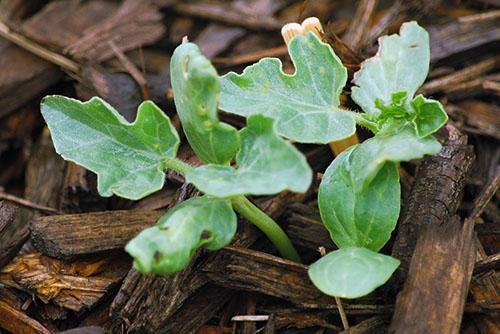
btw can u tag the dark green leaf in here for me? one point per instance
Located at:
(360, 217)
(267, 164)
(167, 247)
(127, 158)
(196, 89)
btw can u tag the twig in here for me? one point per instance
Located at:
(251, 57)
(250, 318)
(132, 70)
(463, 75)
(491, 85)
(23, 42)
(26, 203)
(485, 196)
(354, 37)
(491, 262)
(343, 316)
(491, 15)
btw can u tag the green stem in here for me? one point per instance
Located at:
(267, 225)
(178, 165)
(251, 212)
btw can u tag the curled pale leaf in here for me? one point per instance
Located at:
(351, 272)
(167, 247)
(401, 64)
(267, 164)
(196, 88)
(127, 157)
(354, 216)
(304, 105)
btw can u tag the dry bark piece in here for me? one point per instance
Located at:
(480, 117)
(11, 235)
(226, 13)
(248, 270)
(444, 252)
(44, 174)
(354, 36)
(14, 319)
(134, 24)
(305, 229)
(299, 318)
(84, 330)
(435, 197)
(61, 23)
(484, 286)
(216, 38)
(79, 191)
(197, 310)
(466, 74)
(23, 77)
(77, 286)
(68, 236)
(455, 37)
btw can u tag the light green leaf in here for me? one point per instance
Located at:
(430, 115)
(167, 247)
(127, 158)
(196, 87)
(372, 154)
(352, 272)
(401, 64)
(267, 164)
(359, 217)
(304, 105)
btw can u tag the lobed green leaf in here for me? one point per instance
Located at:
(304, 105)
(359, 217)
(351, 272)
(400, 65)
(167, 247)
(196, 88)
(127, 158)
(267, 164)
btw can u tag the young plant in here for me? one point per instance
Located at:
(359, 196)
(130, 161)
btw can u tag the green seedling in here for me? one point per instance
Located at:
(130, 161)
(359, 196)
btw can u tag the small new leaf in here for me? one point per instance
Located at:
(304, 105)
(354, 216)
(196, 88)
(430, 115)
(167, 247)
(127, 157)
(352, 272)
(267, 164)
(400, 65)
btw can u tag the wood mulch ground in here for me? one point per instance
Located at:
(62, 267)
